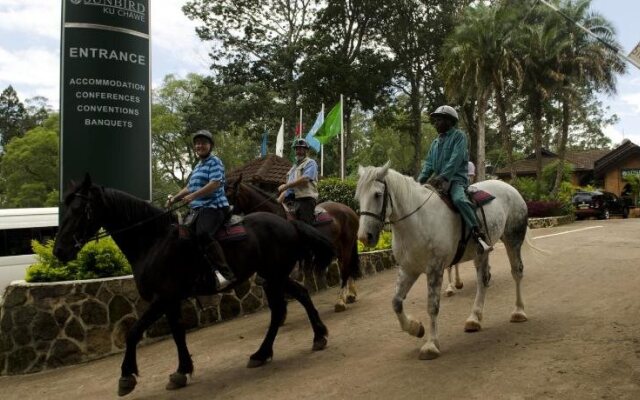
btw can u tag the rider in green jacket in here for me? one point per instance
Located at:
(447, 161)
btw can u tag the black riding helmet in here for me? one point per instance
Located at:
(300, 143)
(203, 133)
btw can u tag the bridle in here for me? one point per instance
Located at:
(387, 200)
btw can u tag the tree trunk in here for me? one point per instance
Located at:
(562, 142)
(481, 118)
(416, 129)
(537, 137)
(504, 131)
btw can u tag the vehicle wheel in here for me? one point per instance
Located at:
(625, 212)
(605, 214)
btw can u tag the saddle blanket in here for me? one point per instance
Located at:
(321, 217)
(232, 229)
(478, 197)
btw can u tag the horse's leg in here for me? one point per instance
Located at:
(178, 379)
(320, 331)
(343, 260)
(129, 366)
(404, 282)
(459, 284)
(431, 349)
(517, 270)
(352, 294)
(483, 276)
(450, 291)
(278, 306)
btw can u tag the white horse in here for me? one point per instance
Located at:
(425, 238)
(451, 287)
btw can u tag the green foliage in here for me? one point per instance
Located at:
(549, 174)
(384, 242)
(634, 182)
(97, 259)
(526, 187)
(29, 170)
(333, 189)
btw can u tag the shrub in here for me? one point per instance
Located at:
(384, 242)
(333, 189)
(545, 208)
(97, 259)
(526, 187)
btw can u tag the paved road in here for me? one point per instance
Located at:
(582, 340)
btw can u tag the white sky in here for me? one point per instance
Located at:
(30, 52)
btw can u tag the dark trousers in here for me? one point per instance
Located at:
(208, 221)
(305, 207)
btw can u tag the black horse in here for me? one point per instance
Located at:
(165, 266)
(341, 230)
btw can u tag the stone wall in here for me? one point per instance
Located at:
(48, 325)
(548, 222)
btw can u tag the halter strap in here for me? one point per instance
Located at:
(381, 216)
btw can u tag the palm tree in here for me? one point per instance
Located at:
(585, 63)
(478, 63)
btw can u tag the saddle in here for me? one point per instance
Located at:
(320, 215)
(479, 198)
(231, 230)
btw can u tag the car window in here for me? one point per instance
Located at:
(582, 198)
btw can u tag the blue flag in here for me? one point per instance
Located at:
(263, 147)
(313, 142)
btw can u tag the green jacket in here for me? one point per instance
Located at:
(448, 157)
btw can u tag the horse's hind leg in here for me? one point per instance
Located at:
(320, 331)
(404, 282)
(459, 284)
(278, 306)
(431, 349)
(178, 379)
(517, 272)
(129, 367)
(483, 276)
(450, 291)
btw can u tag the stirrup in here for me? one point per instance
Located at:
(222, 283)
(483, 247)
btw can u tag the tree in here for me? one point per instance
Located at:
(13, 116)
(585, 63)
(29, 169)
(414, 31)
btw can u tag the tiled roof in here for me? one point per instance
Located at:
(616, 155)
(581, 160)
(270, 169)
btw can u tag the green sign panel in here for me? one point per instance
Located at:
(105, 94)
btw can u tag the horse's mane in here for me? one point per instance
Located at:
(135, 209)
(260, 190)
(401, 185)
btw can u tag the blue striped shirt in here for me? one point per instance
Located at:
(208, 170)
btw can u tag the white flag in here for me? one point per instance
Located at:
(280, 141)
(635, 55)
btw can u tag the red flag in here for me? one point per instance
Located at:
(299, 130)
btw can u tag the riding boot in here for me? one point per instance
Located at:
(218, 262)
(479, 237)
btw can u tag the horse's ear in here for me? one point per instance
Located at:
(360, 170)
(87, 180)
(383, 170)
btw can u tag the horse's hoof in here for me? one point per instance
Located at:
(459, 285)
(430, 353)
(255, 363)
(319, 344)
(416, 329)
(126, 384)
(472, 326)
(177, 380)
(518, 316)
(449, 292)
(351, 298)
(340, 307)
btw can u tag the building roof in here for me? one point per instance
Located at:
(626, 149)
(270, 169)
(581, 160)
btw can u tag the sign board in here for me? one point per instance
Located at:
(629, 171)
(105, 94)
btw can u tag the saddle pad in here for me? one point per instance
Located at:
(480, 197)
(231, 232)
(321, 217)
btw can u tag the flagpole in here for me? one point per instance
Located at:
(322, 146)
(341, 137)
(300, 129)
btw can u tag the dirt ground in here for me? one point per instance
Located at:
(582, 340)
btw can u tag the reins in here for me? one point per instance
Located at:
(98, 236)
(386, 195)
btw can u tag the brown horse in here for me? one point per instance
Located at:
(342, 231)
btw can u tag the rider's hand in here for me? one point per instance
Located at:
(170, 201)
(281, 197)
(282, 188)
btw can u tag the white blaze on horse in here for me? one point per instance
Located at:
(425, 239)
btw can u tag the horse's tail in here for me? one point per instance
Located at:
(528, 241)
(315, 243)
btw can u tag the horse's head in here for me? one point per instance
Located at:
(235, 195)
(373, 196)
(81, 220)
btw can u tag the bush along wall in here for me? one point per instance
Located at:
(48, 325)
(333, 189)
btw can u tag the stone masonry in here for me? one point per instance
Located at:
(48, 325)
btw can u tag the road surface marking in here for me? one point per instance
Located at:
(562, 233)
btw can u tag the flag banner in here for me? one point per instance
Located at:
(299, 130)
(331, 125)
(280, 141)
(313, 142)
(263, 147)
